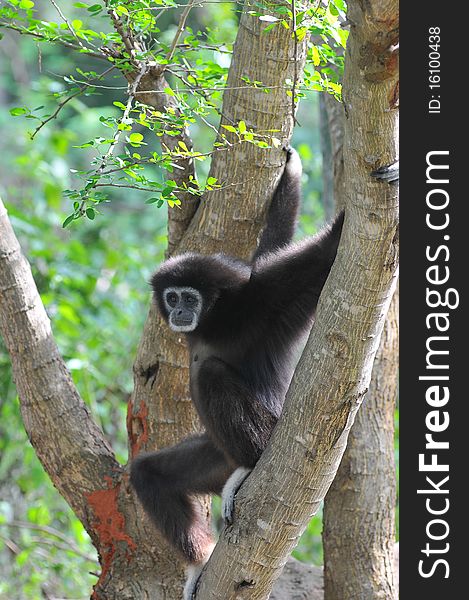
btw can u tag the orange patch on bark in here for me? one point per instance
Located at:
(109, 525)
(137, 427)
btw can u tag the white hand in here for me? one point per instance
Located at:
(229, 491)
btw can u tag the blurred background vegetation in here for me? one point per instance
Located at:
(93, 278)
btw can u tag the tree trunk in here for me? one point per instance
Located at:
(359, 519)
(327, 160)
(359, 525)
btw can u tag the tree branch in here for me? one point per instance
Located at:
(359, 519)
(67, 22)
(125, 34)
(180, 28)
(56, 419)
(151, 91)
(67, 100)
(160, 411)
(46, 38)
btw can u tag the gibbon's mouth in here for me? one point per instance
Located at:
(183, 328)
(179, 323)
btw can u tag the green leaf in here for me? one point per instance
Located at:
(135, 138)
(26, 4)
(122, 10)
(90, 213)
(172, 202)
(67, 221)
(301, 33)
(211, 180)
(331, 13)
(242, 127)
(229, 128)
(16, 112)
(340, 5)
(316, 56)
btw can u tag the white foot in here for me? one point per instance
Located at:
(193, 574)
(229, 492)
(293, 163)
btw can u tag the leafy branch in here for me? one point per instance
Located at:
(81, 90)
(155, 63)
(44, 36)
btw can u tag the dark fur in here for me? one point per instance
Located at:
(242, 352)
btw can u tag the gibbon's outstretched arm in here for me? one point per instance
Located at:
(283, 211)
(292, 279)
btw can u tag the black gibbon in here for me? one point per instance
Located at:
(243, 322)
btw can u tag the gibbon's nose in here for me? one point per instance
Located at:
(179, 312)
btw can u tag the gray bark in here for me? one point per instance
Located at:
(359, 523)
(333, 113)
(327, 161)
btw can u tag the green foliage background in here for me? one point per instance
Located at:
(92, 276)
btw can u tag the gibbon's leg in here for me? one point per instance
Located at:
(238, 420)
(164, 482)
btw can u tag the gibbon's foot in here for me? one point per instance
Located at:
(229, 492)
(389, 173)
(293, 163)
(193, 573)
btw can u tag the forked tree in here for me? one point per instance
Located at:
(295, 472)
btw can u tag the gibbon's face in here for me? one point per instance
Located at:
(184, 305)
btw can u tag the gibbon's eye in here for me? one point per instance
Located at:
(171, 298)
(191, 299)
